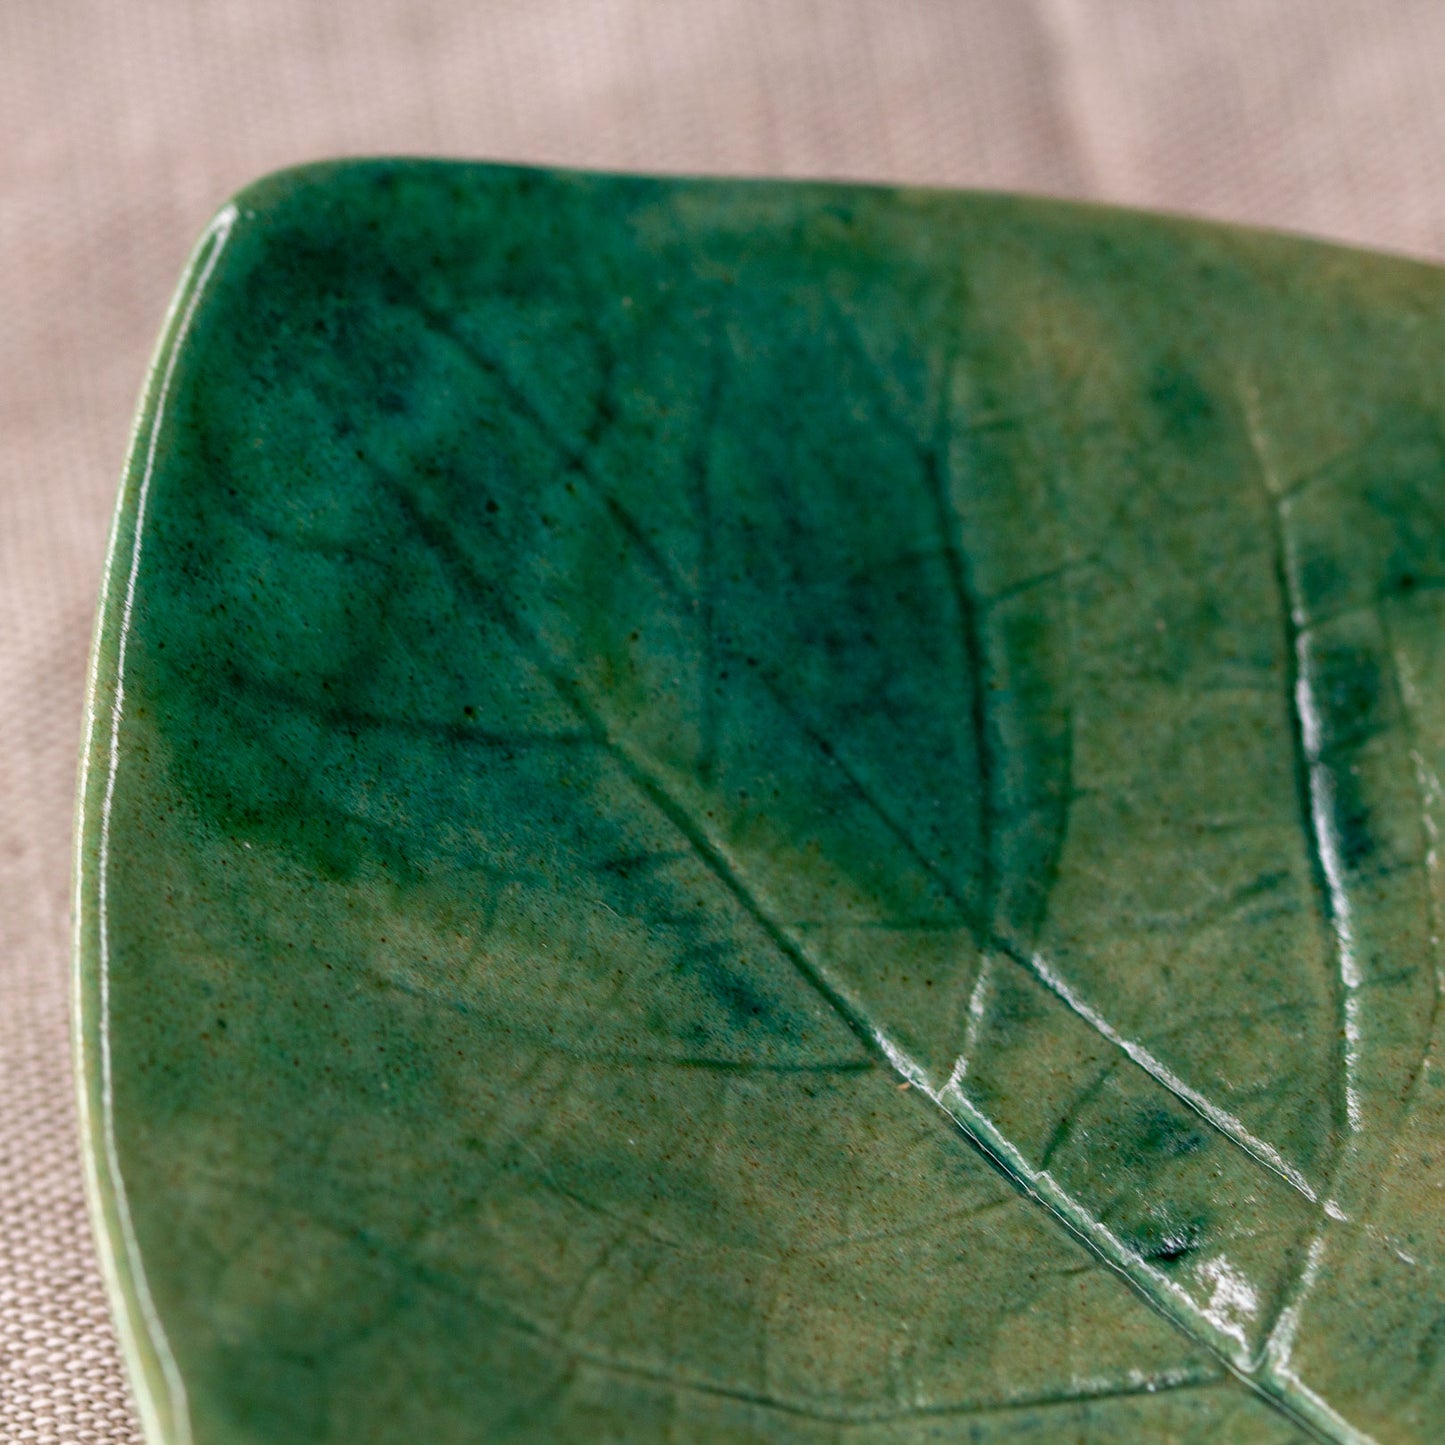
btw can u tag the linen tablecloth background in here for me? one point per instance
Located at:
(124, 123)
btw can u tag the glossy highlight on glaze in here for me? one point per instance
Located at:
(725, 810)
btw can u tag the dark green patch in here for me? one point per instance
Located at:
(1171, 1135)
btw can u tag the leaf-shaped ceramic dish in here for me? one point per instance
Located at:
(771, 812)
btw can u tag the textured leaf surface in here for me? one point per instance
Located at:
(767, 812)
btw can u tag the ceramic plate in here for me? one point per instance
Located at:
(770, 812)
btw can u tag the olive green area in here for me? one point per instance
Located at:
(770, 812)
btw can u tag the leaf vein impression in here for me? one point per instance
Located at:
(1038, 1183)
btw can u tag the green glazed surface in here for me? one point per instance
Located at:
(770, 812)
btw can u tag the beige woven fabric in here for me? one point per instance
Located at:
(123, 123)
